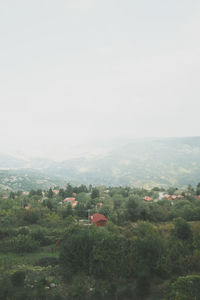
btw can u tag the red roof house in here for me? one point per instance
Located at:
(74, 204)
(99, 205)
(56, 192)
(147, 198)
(25, 193)
(70, 199)
(98, 219)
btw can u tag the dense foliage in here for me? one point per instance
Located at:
(147, 250)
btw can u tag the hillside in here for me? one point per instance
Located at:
(26, 180)
(146, 162)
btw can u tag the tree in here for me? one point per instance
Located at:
(110, 253)
(182, 229)
(18, 278)
(95, 252)
(50, 205)
(148, 256)
(69, 191)
(12, 195)
(50, 193)
(133, 206)
(117, 201)
(62, 193)
(79, 288)
(76, 252)
(95, 193)
(31, 216)
(39, 192)
(68, 211)
(198, 189)
(23, 244)
(6, 289)
(184, 288)
(172, 190)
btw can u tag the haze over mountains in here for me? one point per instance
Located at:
(139, 162)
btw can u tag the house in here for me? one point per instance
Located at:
(99, 205)
(98, 219)
(25, 193)
(56, 192)
(147, 198)
(74, 203)
(172, 197)
(161, 195)
(70, 199)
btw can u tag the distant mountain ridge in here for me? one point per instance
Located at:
(145, 162)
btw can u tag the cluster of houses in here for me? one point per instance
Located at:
(172, 197)
(71, 200)
(95, 219)
(163, 196)
(99, 219)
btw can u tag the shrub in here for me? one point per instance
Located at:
(78, 290)
(182, 229)
(23, 243)
(31, 216)
(18, 278)
(23, 230)
(184, 288)
(40, 235)
(5, 288)
(47, 261)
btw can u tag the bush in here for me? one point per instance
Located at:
(5, 289)
(22, 244)
(18, 278)
(23, 230)
(47, 261)
(78, 290)
(40, 235)
(182, 229)
(143, 286)
(31, 216)
(7, 232)
(184, 288)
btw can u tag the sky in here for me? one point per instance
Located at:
(77, 72)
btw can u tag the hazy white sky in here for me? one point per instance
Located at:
(76, 70)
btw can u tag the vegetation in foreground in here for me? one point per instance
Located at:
(148, 250)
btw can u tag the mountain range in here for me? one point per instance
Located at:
(140, 162)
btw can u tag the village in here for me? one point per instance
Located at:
(55, 242)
